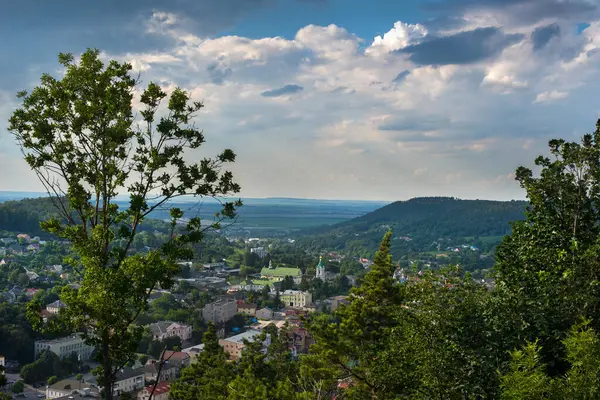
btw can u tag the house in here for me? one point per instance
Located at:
(300, 340)
(2, 361)
(279, 273)
(296, 298)
(234, 345)
(30, 292)
(33, 247)
(55, 307)
(168, 372)
(259, 251)
(194, 351)
(337, 301)
(264, 313)
(63, 347)
(24, 237)
(16, 249)
(128, 380)
(158, 392)
(32, 275)
(246, 308)
(165, 329)
(220, 311)
(69, 388)
(55, 268)
(180, 359)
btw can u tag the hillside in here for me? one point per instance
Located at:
(421, 224)
(25, 215)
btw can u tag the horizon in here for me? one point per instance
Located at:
(380, 100)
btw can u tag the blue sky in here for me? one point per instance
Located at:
(336, 98)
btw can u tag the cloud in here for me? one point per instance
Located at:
(400, 36)
(546, 97)
(543, 34)
(282, 91)
(521, 12)
(401, 76)
(217, 73)
(414, 123)
(462, 48)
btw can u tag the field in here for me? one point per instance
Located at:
(269, 216)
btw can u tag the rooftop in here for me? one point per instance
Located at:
(293, 292)
(248, 335)
(60, 340)
(281, 271)
(128, 372)
(246, 305)
(161, 387)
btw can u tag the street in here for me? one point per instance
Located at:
(29, 391)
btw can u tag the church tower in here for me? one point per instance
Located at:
(320, 270)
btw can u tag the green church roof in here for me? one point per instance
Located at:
(281, 271)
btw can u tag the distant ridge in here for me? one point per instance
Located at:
(424, 220)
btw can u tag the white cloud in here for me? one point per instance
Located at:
(400, 36)
(549, 96)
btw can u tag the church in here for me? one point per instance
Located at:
(322, 274)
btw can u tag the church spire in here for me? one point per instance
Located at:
(320, 269)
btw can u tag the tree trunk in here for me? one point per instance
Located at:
(107, 366)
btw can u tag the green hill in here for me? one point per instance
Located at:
(25, 215)
(419, 225)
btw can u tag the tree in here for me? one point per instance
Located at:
(143, 359)
(52, 380)
(2, 376)
(79, 134)
(547, 269)
(18, 387)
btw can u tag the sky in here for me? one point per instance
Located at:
(338, 99)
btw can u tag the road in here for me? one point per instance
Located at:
(29, 392)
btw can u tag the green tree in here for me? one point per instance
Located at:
(547, 269)
(18, 387)
(52, 380)
(80, 135)
(143, 359)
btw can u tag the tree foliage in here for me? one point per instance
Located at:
(80, 135)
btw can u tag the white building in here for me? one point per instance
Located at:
(165, 329)
(68, 387)
(220, 311)
(234, 345)
(296, 298)
(54, 307)
(129, 380)
(259, 251)
(63, 347)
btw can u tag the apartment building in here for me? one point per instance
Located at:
(296, 298)
(219, 311)
(234, 345)
(63, 347)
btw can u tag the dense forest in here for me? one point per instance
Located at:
(421, 224)
(25, 215)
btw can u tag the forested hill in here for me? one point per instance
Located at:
(419, 224)
(25, 215)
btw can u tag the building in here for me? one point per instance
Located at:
(220, 311)
(128, 380)
(300, 340)
(66, 388)
(194, 351)
(295, 298)
(234, 345)
(246, 308)
(160, 392)
(165, 329)
(180, 359)
(55, 307)
(337, 301)
(63, 347)
(259, 251)
(320, 269)
(2, 361)
(168, 372)
(279, 273)
(264, 313)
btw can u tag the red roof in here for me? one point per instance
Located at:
(162, 387)
(175, 355)
(32, 291)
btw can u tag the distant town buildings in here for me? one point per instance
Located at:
(234, 345)
(296, 298)
(264, 313)
(320, 270)
(219, 311)
(246, 308)
(259, 251)
(69, 387)
(128, 380)
(160, 392)
(55, 307)
(64, 347)
(279, 273)
(166, 329)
